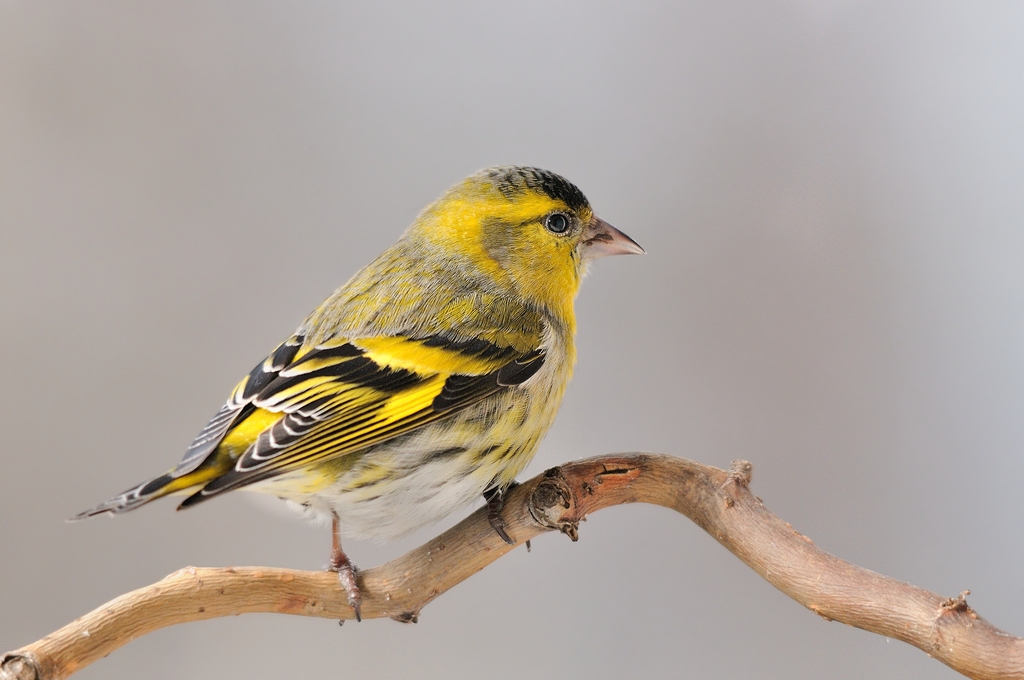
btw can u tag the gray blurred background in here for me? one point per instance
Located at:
(831, 197)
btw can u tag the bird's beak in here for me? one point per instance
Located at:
(601, 239)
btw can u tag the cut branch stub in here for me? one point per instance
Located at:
(551, 504)
(22, 666)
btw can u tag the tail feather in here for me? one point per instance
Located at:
(149, 490)
(134, 497)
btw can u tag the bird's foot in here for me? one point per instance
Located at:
(495, 498)
(346, 571)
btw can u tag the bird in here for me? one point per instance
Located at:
(424, 382)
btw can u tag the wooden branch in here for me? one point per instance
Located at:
(719, 502)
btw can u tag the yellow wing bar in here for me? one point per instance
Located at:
(340, 398)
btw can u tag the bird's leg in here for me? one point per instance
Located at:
(495, 497)
(341, 564)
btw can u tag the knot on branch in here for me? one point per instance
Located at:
(551, 504)
(740, 474)
(404, 617)
(952, 621)
(956, 604)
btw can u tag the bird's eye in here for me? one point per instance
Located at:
(557, 223)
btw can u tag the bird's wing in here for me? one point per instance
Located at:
(238, 405)
(345, 395)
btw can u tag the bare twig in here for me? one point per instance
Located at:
(718, 501)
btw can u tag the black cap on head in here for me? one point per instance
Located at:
(511, 180)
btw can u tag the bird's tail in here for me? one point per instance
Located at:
(159, 487)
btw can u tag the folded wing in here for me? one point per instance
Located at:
(345, 395)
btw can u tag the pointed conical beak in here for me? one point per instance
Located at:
(601, 239)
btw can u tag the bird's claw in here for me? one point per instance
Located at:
(495, 502)
(347, 577)
(498, 524)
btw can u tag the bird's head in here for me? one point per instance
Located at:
(526, 228)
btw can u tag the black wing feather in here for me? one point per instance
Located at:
(458, 392)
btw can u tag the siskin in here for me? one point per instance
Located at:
(425, 381)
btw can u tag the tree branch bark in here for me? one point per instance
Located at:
(719, 502)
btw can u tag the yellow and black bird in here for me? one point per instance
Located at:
(425, 381)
